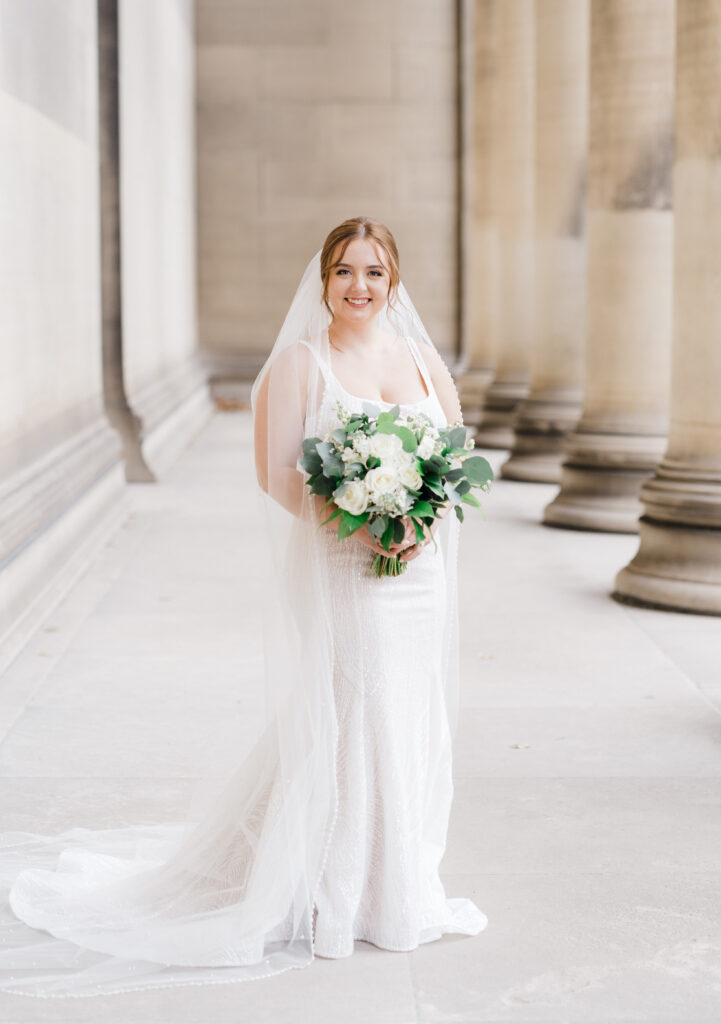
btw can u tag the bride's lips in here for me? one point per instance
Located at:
(357, 303)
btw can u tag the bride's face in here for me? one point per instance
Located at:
(359, 283)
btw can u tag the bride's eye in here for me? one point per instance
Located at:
(376, 273)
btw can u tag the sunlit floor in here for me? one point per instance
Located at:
(587, 812)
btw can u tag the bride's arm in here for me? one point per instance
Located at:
(278, 424)
(444, 385)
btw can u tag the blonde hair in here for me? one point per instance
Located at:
(359, 227)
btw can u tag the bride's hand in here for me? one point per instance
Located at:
(365, 537)
(415, 549)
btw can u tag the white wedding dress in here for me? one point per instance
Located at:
(330, 831)
(393, 764)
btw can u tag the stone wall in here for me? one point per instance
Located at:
(309, 114)
(60, 471)
(62, 466)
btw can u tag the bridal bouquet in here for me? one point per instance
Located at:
(378, 467)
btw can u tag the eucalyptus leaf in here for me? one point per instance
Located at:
(459, 512)
(339, 435)
(377, 526)
(333, 466)
(371, 410)
(322, 485)
(477, 470)
(457, 437)
(312, 463)
(308, 446)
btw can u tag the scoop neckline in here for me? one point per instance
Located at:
(375, 401)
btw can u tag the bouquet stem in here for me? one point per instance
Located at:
(388, 565)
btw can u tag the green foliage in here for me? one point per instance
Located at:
(407, 437)
(349, 523)
(477, 470)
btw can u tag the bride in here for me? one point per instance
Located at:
(334, 825)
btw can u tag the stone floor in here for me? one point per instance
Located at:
(587, 815)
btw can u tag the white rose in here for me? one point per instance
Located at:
(352, 497)
(381, 480)
(410, 477)
(385, 446)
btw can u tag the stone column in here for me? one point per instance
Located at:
(163, 373)
(621, 433)
(117, 407)
(553, 405)
(483, 290)
(678, 564)
(515, 223)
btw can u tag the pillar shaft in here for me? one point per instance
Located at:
(678, 564)
(515, 223)
(553, 405)
(483, 291)
(622, 431)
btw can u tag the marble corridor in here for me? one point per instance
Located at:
(586, 819)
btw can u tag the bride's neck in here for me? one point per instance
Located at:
(349, 336)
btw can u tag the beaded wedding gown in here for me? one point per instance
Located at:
(381, 880)
(332, 828)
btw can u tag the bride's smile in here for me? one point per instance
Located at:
(359, 283)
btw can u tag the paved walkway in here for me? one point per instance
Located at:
(587, 814)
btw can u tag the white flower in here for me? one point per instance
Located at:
(410, 477)
(426, 446)
(362, 445)
(405, 500)
(381, 480)
(385, 446)
(349, 455)
(352, 497)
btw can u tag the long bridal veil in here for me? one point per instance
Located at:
(228, 894)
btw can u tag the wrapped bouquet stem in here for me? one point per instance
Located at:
(381, 469)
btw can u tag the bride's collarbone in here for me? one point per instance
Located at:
(392, 382)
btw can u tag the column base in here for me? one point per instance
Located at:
(172, 410)
(56, 514)
(678, 563)
(542, 424)
(503, 397)
(601, 478)
(677, 568)
(472, 387)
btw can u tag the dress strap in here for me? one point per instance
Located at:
(420, 364)
(324, 367)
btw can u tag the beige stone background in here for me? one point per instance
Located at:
(168, 169)
(551, 171)
(309, 113)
